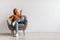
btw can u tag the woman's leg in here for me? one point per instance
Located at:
(21, 20)
(16, 23)
(16, 26)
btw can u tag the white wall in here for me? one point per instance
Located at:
(42, 15)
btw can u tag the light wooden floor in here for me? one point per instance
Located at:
(31, 36)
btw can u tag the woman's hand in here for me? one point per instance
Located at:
(20, 13)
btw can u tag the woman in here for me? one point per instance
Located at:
(16, 18)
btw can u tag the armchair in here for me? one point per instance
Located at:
(22, 26)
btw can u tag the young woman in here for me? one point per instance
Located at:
(16, 18)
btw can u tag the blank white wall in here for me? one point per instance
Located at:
(42, 15)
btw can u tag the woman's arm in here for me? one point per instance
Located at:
(20, 12)
(11, 18)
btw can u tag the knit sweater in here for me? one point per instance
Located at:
(14, 17)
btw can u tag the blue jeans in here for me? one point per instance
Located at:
(16, 25)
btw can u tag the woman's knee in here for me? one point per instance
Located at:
(16, 24)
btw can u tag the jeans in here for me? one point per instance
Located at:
(16, 24)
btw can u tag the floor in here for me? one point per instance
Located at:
(31, 36)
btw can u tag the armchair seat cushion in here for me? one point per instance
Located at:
(21, 25)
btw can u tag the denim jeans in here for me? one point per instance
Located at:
(18, 20)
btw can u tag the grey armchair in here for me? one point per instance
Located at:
(22, 26)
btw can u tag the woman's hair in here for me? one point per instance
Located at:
(14, 11)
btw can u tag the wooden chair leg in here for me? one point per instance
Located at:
(12, 32)
(24, 32)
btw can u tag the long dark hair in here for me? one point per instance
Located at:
(14, 11)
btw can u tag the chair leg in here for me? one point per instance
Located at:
(24, 32)
(12, 32)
